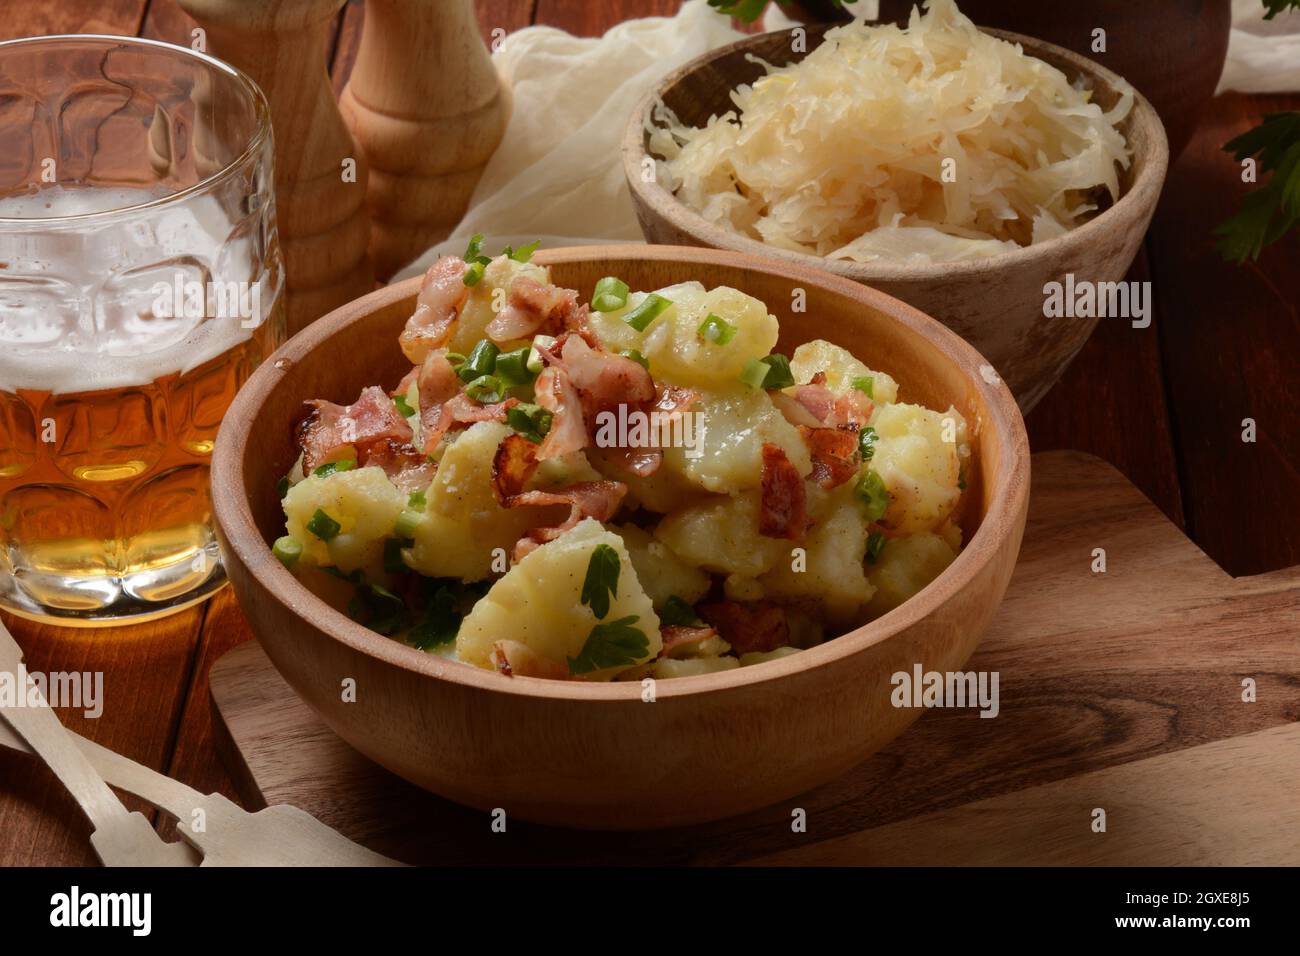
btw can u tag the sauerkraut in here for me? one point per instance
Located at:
(931, 143)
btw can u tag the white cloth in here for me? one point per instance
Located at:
(558, 174)
(1263, 55)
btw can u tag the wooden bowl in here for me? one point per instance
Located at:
(996, 304)
(598, 755)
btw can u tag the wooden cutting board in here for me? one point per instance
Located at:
(1120, 691)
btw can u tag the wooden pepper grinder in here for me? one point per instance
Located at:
(320, 174)
(427, 107)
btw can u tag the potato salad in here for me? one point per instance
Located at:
(633, 487)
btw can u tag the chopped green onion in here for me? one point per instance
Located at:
(610, 295)
(531, 421)
(474, 251)
(535, 361)
(288, 549)
(961, 477)
(523, 253)
(323, 526)
(636, 356)
(875, 544)
(408, 522)
(441, 620)
(403, 406)
(330, 467)
(717, 330)
(486, 389)
(455, 359)
(771, 371)
(867, 443)
(482, 359)
(677, 613)
(283, 486)
(393, 562)
(417, 501)
(651, 307)
(474, 274)
(512, 367)
(871, 489)
(865, 384)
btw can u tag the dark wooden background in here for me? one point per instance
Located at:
(1164, 404)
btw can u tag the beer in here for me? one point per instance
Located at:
(129, 317)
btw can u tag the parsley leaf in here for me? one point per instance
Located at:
(1274, 7)
(677, 613)
(747, 11)
(1272, 210)
(611, 644)
(601, 582)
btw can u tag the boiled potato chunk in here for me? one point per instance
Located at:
(829, 582)
(917, 457)
(662, 574)
(486, 298)
(539, 603)
(672, 343)
(722, 535)
(663, 491)
(905, 566)
(463, 522)
(738, 420)
(841, 369)
(671, 667)
(363, 502)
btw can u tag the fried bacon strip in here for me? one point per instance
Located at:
(329, 429)
(408, 467)
(555, 393)
(680, 635)
(783, 506)
(748, 626)
(516, 659)
(438, 384)
(532, 307)
(442, 293)
(834, 454)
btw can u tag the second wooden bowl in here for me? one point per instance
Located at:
(602, 755)
(996, 304)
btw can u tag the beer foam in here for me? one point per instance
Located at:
(120, 301)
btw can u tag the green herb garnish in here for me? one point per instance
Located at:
(407, 523)
(651, 307)
(331, 467)
(486, 389)
(523, 253)
(512, 367)
(875, 544)
(636, 356)
(677, 613)
(611, 644)
(771, 371)
(531, 421)
(871, 489)
(441, 621)
(867, 443)
(481, 361)
(403, 406)
(866, 384)
(716, 330)
(288, 550)
(416, 501)
(610, 295)
(1271, 211)
(601, 582)
(323, 526)
(282, 487)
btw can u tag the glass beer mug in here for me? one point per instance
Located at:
(140, 282)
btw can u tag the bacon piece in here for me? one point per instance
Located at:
(681, 635)
(586, 499)
(532, 307)
(555, 393)
(330, 428)
(603, 380)
(408, 467)
(817, 399)
(407, 380)
(795, 412)
(851, 408)
(748, 626)
(834, 454)
(438, 384)
(516, 659)
(463, 409)
(442, 293)
(783, 511)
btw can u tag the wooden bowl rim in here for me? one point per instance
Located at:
(1141, 195)
(244, 542)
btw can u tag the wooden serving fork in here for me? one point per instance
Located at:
(223, 832)
(120, 837)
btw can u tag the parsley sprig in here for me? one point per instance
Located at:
(601, 582)
(611, 644)
(1272, 210)
(747, 11)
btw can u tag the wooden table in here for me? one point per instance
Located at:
(1164, 404)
